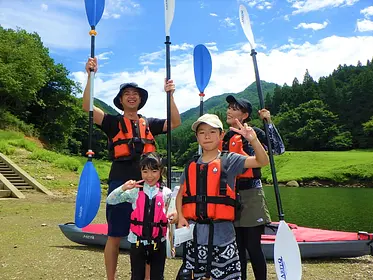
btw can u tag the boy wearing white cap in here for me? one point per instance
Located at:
(207, 198)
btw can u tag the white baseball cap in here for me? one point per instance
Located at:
(210, 119)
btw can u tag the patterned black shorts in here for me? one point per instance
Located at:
(225, 261)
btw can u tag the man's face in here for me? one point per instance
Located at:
(208, 137)
(130, 99)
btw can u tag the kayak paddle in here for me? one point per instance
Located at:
(89, 190)
(202, 73)
(286, 250)
(169, 9)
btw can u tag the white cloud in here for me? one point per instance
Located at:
(227, 22)
(305, 6)
(158, 56)
(182, 47)
(104, 55)
(116, 8)
(44, 7)
(57, 30)
(212, 46)
(150, 58)
(213, 15)
(364, 25)
(313, 26)
(259, 4)
(232, 70)
(367, 12)
(61, 24)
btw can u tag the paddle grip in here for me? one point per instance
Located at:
(266, 130)
(91, 97)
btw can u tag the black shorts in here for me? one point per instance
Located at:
(118, 216)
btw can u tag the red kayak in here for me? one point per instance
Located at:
(313, 243)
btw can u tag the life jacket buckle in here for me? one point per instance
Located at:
(137, 243)
(136, 140)
(201, 198)
(155, 248)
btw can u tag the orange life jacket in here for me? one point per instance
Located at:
(207, 195)
(132, 139)
(234, 143)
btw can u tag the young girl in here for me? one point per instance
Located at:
(148, 220)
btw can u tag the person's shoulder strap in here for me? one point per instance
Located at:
(223, 173)
(122, 123)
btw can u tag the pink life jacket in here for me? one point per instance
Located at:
(148, 221)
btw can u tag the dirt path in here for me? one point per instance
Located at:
(33, 247)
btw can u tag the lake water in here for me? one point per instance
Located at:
(347, 209)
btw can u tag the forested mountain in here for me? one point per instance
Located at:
(333, 113)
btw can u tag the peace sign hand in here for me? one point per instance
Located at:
(130, 184)
(245, 130)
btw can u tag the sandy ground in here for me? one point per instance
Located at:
(33, 247)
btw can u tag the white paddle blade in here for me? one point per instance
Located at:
(170, 248)
(169, 9)
(286, 254)
(246, 26)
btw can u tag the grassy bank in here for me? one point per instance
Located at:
(337, 167)
(54, 170)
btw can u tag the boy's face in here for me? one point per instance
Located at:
(208, 137)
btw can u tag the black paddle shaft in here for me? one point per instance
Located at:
(168, 76)
(90, 117)
(201, 107)
(270, 152)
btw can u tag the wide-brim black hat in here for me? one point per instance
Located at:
(242, 102)
(142, 92)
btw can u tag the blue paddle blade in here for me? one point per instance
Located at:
(94, 10)
(202, 66)
(88, 197)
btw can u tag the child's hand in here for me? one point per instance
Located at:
(182, 222)
(172, 217)
(130, 184)
(245, 130)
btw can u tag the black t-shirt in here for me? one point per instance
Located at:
(129, 169)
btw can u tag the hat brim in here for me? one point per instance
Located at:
(197, 123)
(231, 99)
(143, 95)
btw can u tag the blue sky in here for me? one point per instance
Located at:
(291, 36)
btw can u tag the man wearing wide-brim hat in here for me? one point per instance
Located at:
(130, 135)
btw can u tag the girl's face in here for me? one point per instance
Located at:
(233, 113)
(150, 176)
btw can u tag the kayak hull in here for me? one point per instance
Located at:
(308, 249)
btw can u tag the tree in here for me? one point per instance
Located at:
(309, 127)
(24, 63)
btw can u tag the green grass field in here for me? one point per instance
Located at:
(355, 165)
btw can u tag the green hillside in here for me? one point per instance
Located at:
(104, 107)
(218, 103)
